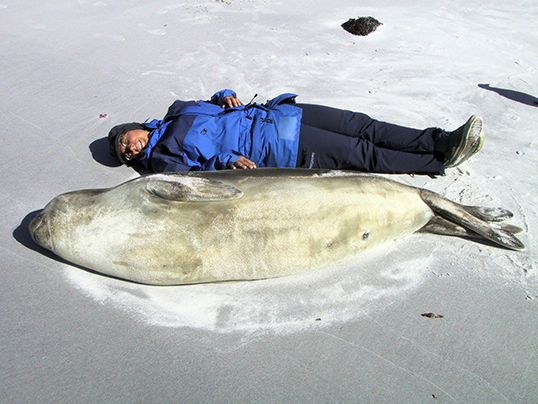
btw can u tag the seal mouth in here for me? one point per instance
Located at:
(40, 231)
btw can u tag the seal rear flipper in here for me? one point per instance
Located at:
(458, 214)
(444, 227)
(508, 227)
(489, 214)
(182, 188)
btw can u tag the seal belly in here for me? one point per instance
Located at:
(312, 225)
(279, 227)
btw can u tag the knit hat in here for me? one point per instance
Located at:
(116, 133)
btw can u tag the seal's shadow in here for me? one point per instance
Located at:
(22, 235)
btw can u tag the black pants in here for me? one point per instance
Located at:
(339, 139)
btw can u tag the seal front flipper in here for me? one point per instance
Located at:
(183, 188)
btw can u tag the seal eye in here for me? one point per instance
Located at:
(365, 235)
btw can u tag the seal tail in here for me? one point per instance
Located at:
(469, 221)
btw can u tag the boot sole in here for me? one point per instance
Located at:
(470, 144)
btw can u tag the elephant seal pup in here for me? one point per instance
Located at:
(181, 228)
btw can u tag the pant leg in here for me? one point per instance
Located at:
(319, 148)
(381, 134)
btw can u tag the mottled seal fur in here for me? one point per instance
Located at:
(180, 228)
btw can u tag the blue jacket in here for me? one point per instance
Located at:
(199, 135)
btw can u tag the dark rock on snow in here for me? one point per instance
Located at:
(361, 26)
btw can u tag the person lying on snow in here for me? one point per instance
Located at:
(223, 133)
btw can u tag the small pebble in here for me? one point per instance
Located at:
(431, 315)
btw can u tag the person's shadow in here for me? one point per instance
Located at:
(513, 95)
(100, 150)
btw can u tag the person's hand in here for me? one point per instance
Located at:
(230, 102)
(243, 163)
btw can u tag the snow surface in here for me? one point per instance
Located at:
(70, 70)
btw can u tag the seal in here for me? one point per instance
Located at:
(183, 228)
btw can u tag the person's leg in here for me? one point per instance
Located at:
(382, 134)
(320, 148)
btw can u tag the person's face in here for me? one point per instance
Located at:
(131, 143)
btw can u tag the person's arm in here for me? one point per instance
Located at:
(226, 99)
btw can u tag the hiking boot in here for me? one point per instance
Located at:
(474, 142)
(459, 145)
(473, 147)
